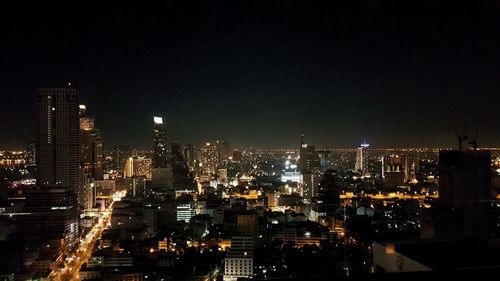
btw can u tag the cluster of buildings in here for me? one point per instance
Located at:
(178, 212)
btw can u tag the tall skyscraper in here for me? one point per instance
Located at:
(53, 204)
(91, 154)
(361, 159)
(58, 137)
(161, 155)
(309, 166)
(91, 158)
(162, 172)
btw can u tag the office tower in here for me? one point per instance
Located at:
(58, 133)
(309, 166)
(239, 261)
(53, 204)
(223, 151)
(160, 150)
(162, 172)
(397, 169)
(361, 159)
(209, 158)
(464, 193)
(91, 158)
(91, 144)
(236, 155)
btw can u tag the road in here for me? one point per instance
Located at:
(81, 255)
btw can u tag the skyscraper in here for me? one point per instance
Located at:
(162, 172)
(309, 166)
(58, 137)
(53, 204)
(92, 156)
(160, 156)
(361, 159)
(209, 158)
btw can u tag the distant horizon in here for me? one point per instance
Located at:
(242, 148)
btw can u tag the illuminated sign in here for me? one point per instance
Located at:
(158, 120)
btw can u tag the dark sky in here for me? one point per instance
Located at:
(393, 73)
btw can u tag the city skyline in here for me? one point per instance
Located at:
(249, 140)
(391, 74)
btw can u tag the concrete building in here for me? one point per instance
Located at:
(239, 261)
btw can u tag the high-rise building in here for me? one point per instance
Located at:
(223, 151)
(310, 182)
(209, 158)
(91, 145)
(465, 193)
(309, 159)
(162, 179)
(91, 158)
(58, 137)
(362, 159)
(239, 260)
(309, 166)
(54, 203)
(160, 152)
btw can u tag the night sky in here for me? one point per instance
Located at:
(259, 72)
